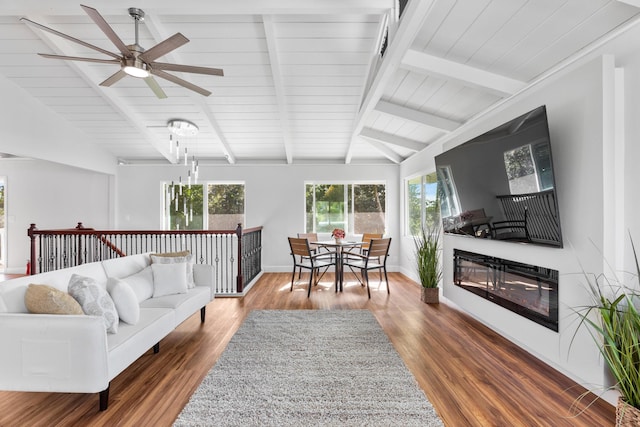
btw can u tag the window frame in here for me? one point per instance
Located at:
(423, 201)
(164, 218)
(349, 209)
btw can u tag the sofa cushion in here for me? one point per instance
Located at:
(176, 257)
(132, 341)
(125, 300)
(125, 266)
(44, 299)
(184, 305)
(94, 300)
(141, 283)
(169, 279)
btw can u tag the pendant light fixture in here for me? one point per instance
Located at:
(183, 130)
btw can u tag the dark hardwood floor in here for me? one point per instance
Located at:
(472, 376)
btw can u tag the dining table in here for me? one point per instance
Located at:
(339, 247)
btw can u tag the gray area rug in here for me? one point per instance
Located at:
(309, 367)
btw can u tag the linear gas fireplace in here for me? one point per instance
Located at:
(529, 290)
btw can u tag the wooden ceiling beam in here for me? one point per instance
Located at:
(385, 150)
(416, 116)
(423, 63)
(274, 60)
(413, 18)
(372, 134)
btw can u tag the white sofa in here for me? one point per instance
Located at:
(74, 353)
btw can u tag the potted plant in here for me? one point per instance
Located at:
(613, 321)
(338, 234)
(427, 251)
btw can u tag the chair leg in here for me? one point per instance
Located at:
(366, 279)
(386, 280)
(293, 276)
(310, 282)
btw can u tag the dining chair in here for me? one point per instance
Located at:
(304, 258)
(375, 259)
(313, 237)
(366, 238)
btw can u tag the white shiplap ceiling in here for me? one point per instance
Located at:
(304, 81)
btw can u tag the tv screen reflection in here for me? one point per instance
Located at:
(500, 185)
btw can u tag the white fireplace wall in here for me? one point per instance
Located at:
(579, 103)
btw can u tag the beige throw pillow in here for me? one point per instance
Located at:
(174, 258)
(45, 299)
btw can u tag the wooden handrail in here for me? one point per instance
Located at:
(247, 258)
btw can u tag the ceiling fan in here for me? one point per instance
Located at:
(133, 59)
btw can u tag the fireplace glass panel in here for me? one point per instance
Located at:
(529, 290)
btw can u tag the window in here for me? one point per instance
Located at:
(185, 205)
(356, 208)
(422, 203)
(225, 206)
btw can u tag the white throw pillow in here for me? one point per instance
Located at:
(141, 283)
(177, 257)
(125, 300)
(94, 300)
(169, 279)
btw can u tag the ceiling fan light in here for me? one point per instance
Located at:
(182, 127)
(136, 68)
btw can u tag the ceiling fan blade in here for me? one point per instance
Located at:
(181, 82)
(164, 47)
(155, 87)
(73, 39)
(79, 58)
(107, 30)
(114, 78)
(187, 68)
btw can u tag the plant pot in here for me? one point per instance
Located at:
(338, 241)
(430, 295)
(626, 415)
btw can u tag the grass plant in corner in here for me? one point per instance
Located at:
(427, 252)
(613, 321)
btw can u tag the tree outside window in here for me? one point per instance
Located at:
(185, 205)
(225, 206)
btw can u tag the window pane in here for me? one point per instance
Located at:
(369, 208)
(309, 208)
(183, 207)
(431, 205)
(225, 206)
(414, 205)
(329, 207)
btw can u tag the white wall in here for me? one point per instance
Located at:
(51, 196)
(576, 106)
(274, 198)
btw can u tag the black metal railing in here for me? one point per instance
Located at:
(235, 254)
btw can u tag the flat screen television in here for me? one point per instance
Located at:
(500, 185)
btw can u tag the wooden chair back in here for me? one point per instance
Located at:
(299, 247)
(366, 237)
(311, 237)
(379, 248)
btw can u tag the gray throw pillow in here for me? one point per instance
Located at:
(94, 300)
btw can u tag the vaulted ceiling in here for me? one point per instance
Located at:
(304, 80)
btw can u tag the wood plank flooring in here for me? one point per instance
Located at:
(472, 376)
